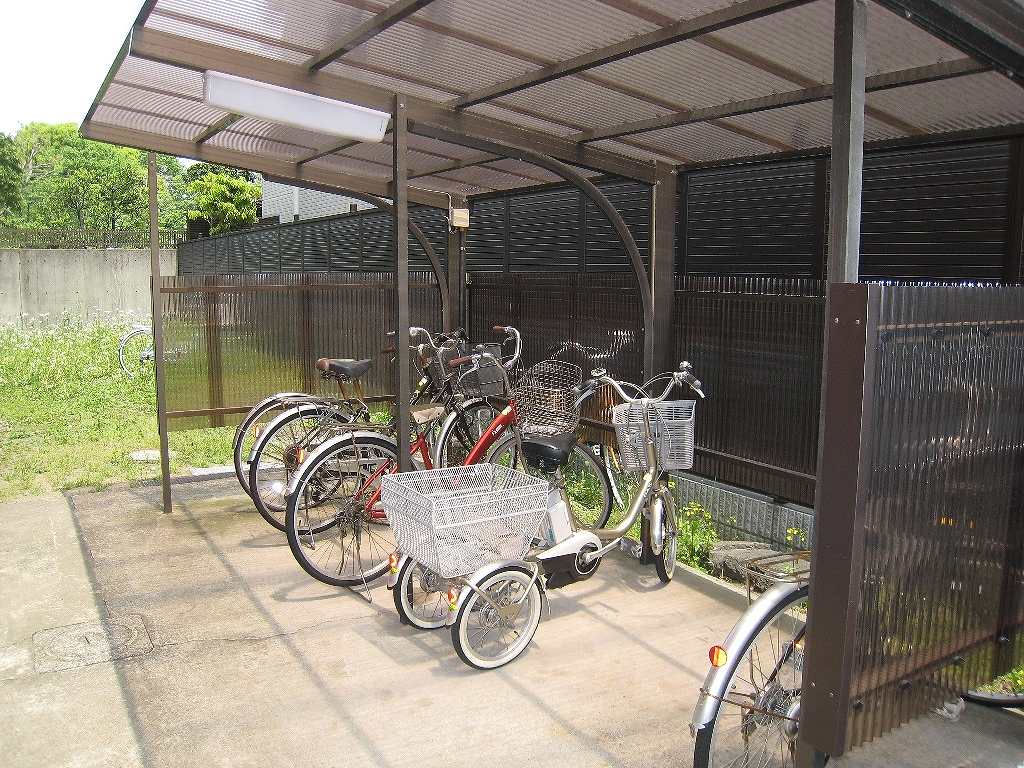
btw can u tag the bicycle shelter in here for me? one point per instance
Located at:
(485, 95)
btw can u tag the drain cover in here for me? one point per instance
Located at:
(78, 645)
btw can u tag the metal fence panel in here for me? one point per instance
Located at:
(756, 345)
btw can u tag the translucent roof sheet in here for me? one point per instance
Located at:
(451, 49)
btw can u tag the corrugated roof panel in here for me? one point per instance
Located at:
(584, 102)
(628, 150)
(806, 126)
(229, 40)
(172, 106)
(382, 153)
(311, 26)
(693, 75)
(162, 126)
(438, 59)
(343, 69)
(350, 165)
(540, 26)
(532, 171)
(705, 142)
(255, 145)
(284, 133)
(974, 101)
(443, 184)
(436, 147)
(182, 81)
(801, 39)
(496, 111)
(681, 9)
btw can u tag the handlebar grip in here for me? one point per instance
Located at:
(389, 351)
(500, 328)
(455, 362)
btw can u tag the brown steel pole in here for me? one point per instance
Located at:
(664, 202)
(400, 213)
(158, 334)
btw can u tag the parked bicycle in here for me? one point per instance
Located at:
(285, 430)
(135, 351)
(346, 539)
(463, 532)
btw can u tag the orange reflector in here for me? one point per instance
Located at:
(300, 455)
(453, 597)
(718, 656)
(393, 562)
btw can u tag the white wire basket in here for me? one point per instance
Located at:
(483, 379)
(671, 430)
(453, 520)
(545, 398)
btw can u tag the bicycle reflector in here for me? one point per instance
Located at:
(718, 656)
(393, 562)
(453, 597)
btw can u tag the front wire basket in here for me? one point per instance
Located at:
(483, 379)
(671, 424)
(437, 365)
(546, 398)
(454, 520)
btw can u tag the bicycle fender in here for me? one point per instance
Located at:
(310, 408)
(739, 637)
(393, 575)
(331, 444)
(482, 573)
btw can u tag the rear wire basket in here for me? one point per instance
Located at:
(437, 367)
(546, 398)
(671, 430)
(483, 379)
(454, 520)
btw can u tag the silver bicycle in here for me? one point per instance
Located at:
(135, 351)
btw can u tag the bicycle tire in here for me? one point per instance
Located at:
(472, 412)
(122, 345)
(403, 594)
(704, 739)
(271, 512)
(255, 413)
(665, 561)
(1002, 700)
(296, 528)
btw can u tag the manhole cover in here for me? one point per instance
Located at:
(78, 645)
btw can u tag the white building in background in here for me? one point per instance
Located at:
(289, 203)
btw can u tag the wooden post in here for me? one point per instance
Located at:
(158, 334)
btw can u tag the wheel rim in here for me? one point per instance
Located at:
(280, 457)
(671, 546)
(424, 596)
(336, 536)
(136, 354)
(754, 725)
(248, 437)
(490, 636)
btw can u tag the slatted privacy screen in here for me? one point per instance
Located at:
(358, 241)
(755, 343)
(233, 339)
(920, 543)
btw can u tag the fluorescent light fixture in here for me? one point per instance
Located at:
(302, 110)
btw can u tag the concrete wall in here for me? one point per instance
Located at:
(87, 284)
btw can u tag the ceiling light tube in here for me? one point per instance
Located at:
(252, 98)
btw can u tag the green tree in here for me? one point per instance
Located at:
(10, 180)
(198, 170)
(227, 202)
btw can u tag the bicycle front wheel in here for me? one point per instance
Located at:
(255, 421)
(461, 431)
(757, 720)
(135, 353)
(340, 539)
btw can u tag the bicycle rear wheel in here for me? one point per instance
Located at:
(758, 718)
(338, 540)
(135, 353)
(255, 421)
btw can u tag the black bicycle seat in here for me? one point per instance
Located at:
(343, 368)
(548, 451)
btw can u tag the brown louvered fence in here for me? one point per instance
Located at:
(918, 588)
(231, 340)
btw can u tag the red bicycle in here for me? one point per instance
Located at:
(345, 540)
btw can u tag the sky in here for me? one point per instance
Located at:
(55, 54)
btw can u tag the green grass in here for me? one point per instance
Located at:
(1011, 682)
(69, 417)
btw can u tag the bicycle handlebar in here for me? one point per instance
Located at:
(675, 378)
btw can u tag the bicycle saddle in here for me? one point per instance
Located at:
(548, 452)
(348, 369)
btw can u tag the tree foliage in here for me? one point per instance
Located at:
(52, 177)
(229, 203)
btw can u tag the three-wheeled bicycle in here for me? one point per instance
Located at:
(464, 532)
